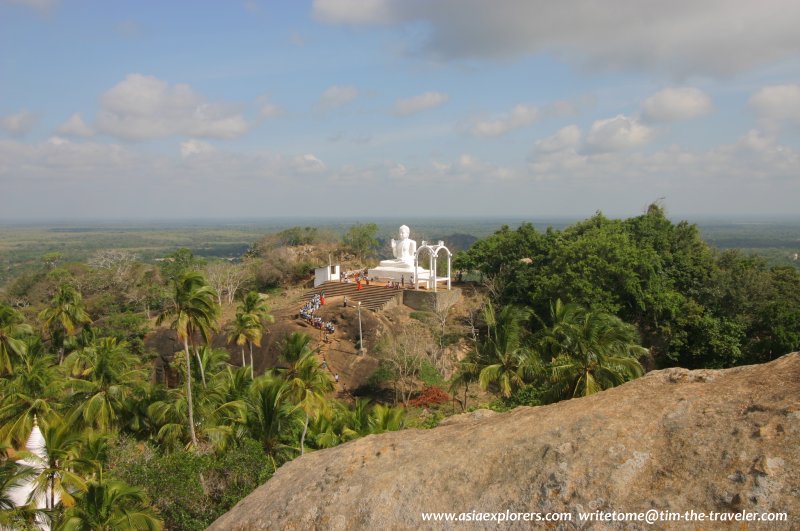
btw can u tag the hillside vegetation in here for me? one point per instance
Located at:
(556, 314)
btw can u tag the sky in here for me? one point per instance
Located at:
(358, 108)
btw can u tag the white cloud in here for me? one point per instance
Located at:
(681, 37)
(143, 107)
(270, 110)
(753, 158)
(568, 137)
(336, 96)
(676, 104)
(195, 147)
(19, 123)
(355, 11)
(428, 100)
(777, 103)
(468, 168)
(519, 117)
(307, 164)
(62, 159)
(617, 134)
(267, 108)
(75, 126)
(80, 178)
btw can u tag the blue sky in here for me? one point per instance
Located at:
(397, 107)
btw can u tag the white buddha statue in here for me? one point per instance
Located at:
(401, 268)
(403, 250)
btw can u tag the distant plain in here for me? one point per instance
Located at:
(23, 245)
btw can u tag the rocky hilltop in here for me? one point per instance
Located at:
(674, 440)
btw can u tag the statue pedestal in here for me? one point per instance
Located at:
(398, 270)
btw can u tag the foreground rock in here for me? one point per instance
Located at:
(675, 440)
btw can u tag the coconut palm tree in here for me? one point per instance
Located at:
(589, 351)
(270, 415)
(102, 377)
(212, 361)
(218, 417)
(56, 477)
(245, 328)
(308, 387)
(63, 317)
(502, 355)
(255, 306)
(108, 505)
(12, 329)
(33, 389)
(295, 347)
(13, 475)
(194, 310)
(468, 372)
(386, 418)
(339, 424)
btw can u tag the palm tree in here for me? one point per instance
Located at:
(219, 413)
(12, 329)
(194, 310)
(296, 346)
(245, 329)
(309, 386)
(108, 505)
(211, 360)
(102, 377)
(13, 475)
(468, 372)
(502, 356)
(255, 306)
(65, 314)
(270, 415)
(56, 477)
(31, 390)
(339, 424)
(386, 418)
(589, 351)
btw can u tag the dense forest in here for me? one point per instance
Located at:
(557, 314)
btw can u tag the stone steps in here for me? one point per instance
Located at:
(371, 297)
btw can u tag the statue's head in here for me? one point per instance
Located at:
(404, 231)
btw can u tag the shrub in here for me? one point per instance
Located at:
(430, 396)
(190, 490)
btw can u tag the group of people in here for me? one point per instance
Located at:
(359, 276)
(307, 314)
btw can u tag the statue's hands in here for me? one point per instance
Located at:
(393, 242)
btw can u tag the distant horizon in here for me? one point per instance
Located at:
(58, 220)
(308, 220)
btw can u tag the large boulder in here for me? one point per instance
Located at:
(674, 440)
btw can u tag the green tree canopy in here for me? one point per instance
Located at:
(360, 239)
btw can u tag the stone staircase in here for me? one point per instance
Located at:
(372, 297)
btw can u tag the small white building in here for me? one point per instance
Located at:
(326, 274)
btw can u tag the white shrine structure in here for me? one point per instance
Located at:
(36, 460)
(405, 267)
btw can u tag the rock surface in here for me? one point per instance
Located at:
(674, 440)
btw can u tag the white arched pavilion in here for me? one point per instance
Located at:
(433, 254)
